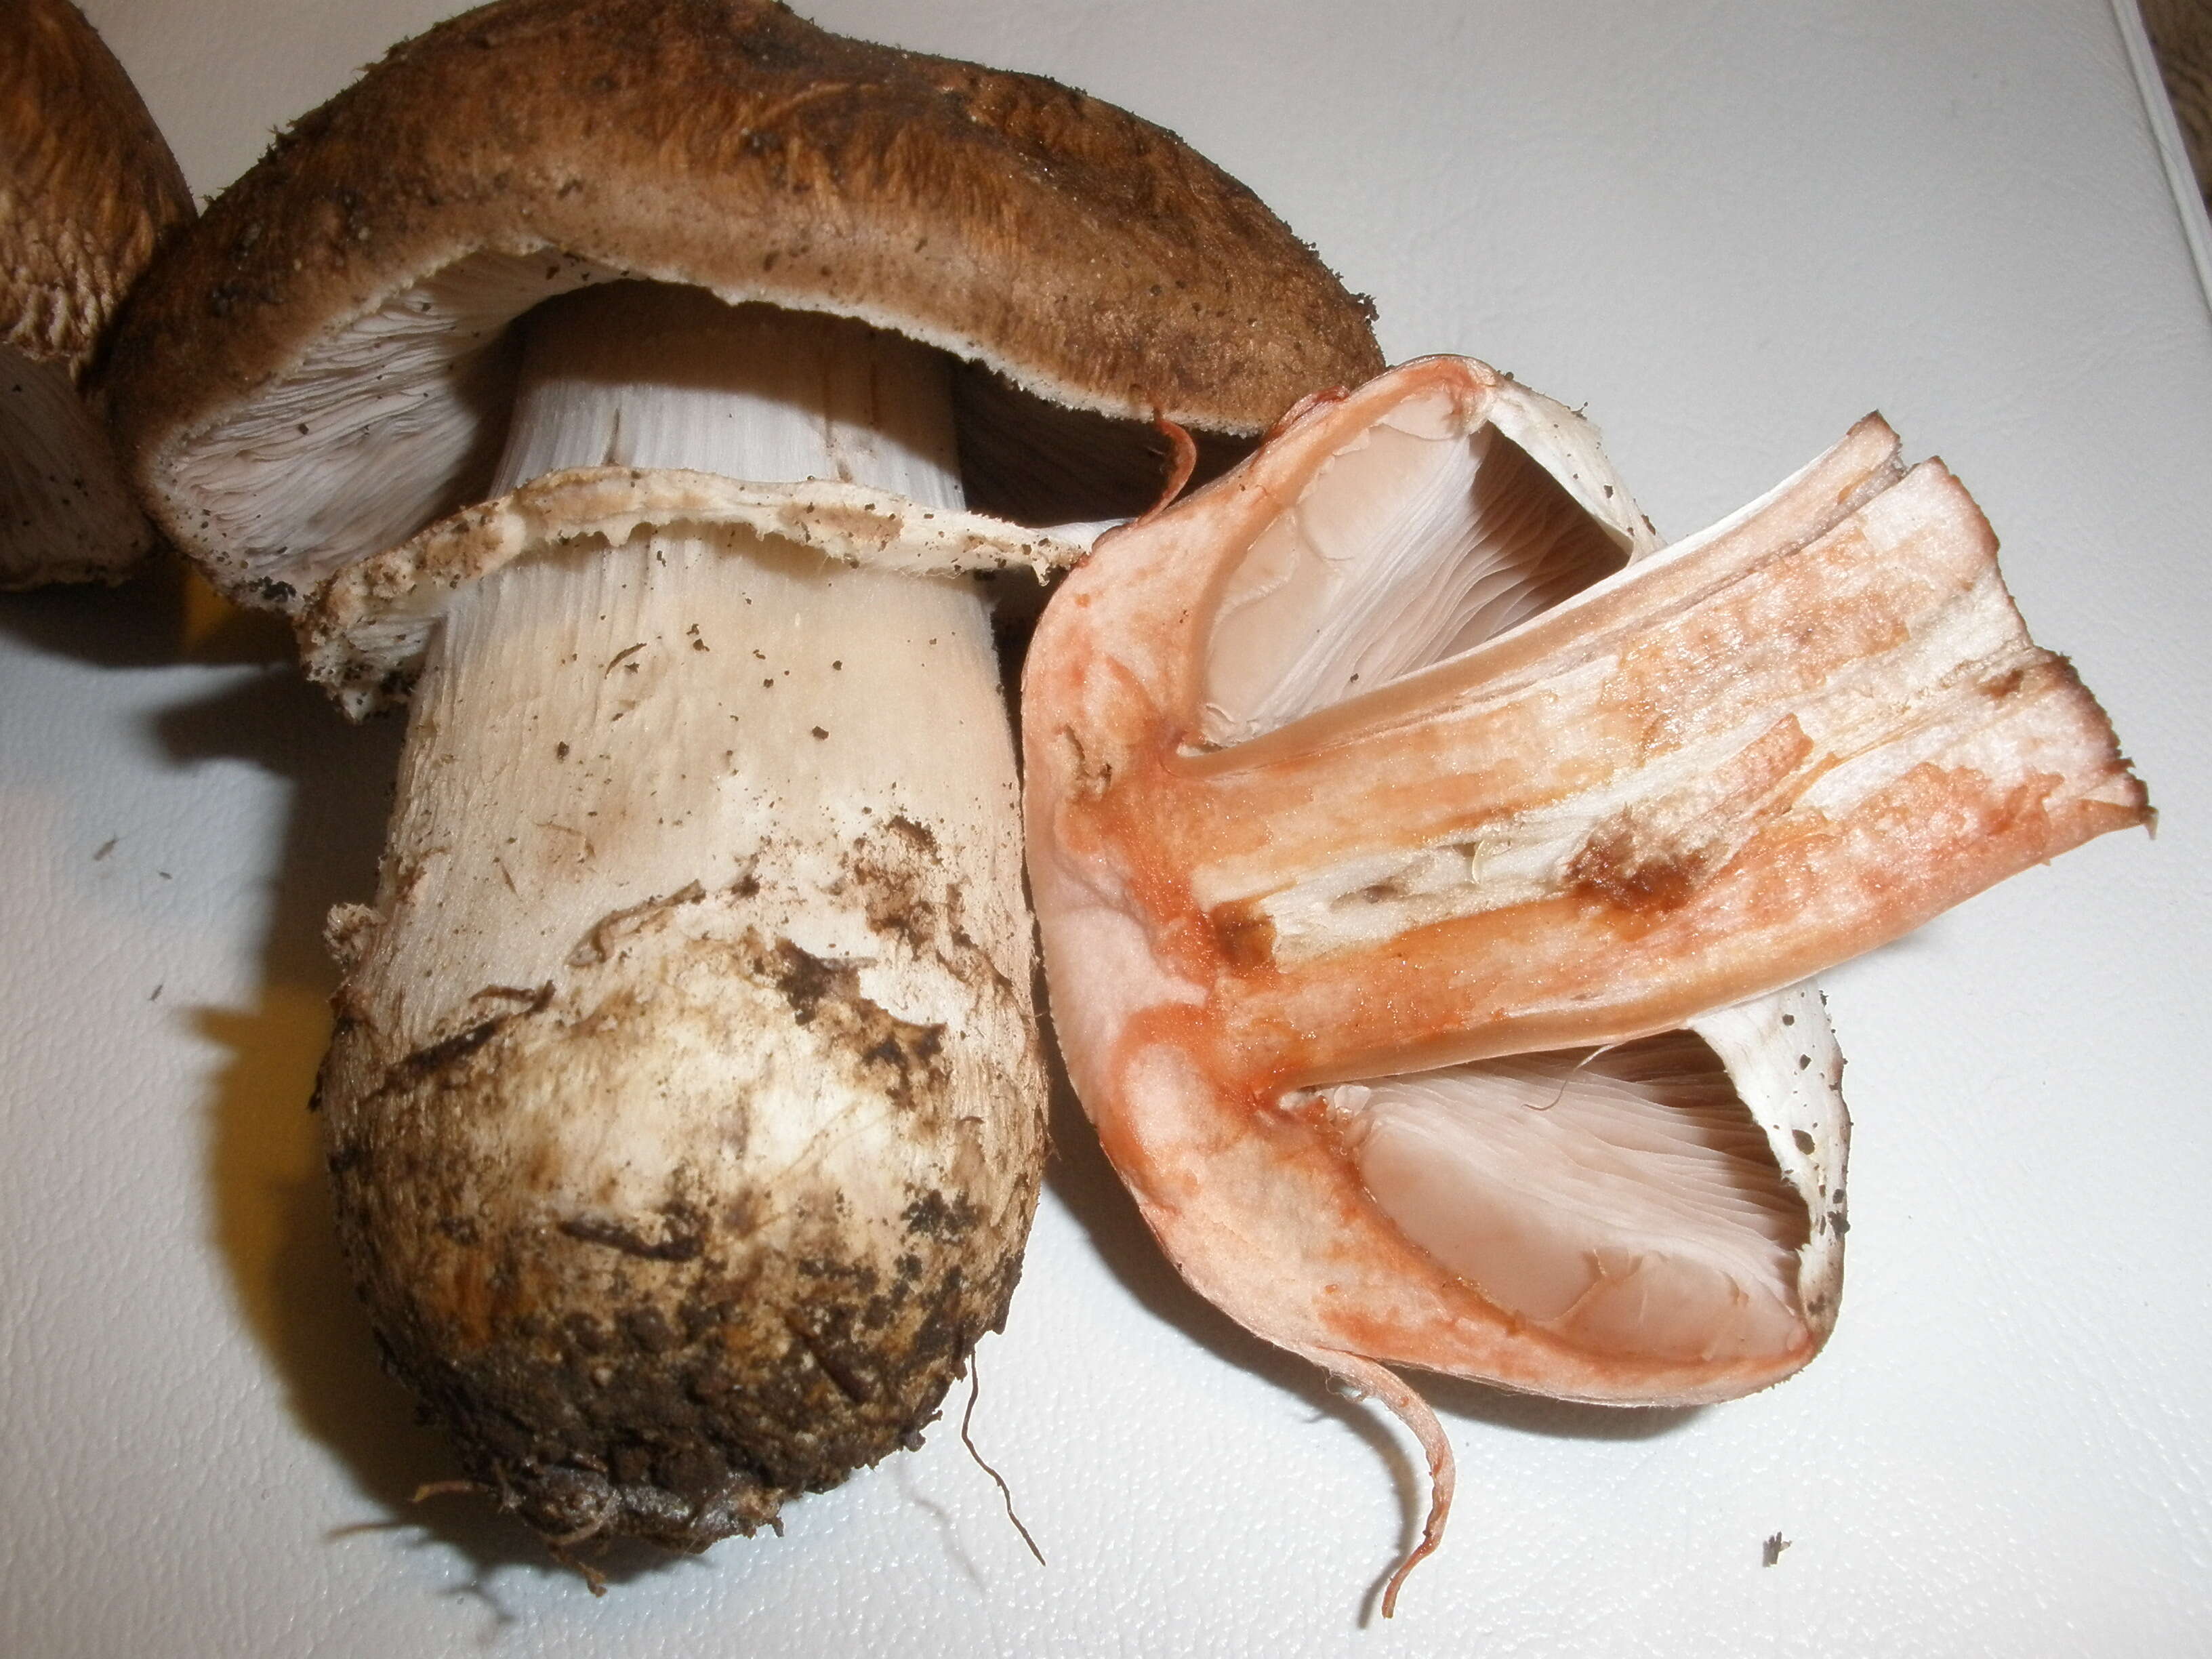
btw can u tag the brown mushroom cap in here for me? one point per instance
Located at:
(88, 191)
(88, 187)
(1086, 258)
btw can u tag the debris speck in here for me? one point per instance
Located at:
(1770, 1550)
(819, 733)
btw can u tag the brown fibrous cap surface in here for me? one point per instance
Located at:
(88, 187)
(1088, 256)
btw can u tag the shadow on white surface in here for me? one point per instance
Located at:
(140, 624)
(912, 1491)
(269, 1201)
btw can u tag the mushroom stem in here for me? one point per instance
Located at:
(683, 1109)
(597, 726)
(65, 515)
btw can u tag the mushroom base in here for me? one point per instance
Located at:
(649, 1287)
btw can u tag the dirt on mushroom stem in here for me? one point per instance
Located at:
(684, 1112)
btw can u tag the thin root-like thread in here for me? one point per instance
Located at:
(594, 1580)
(1567, 1082)
(1409, 1408)
(559, 1548)
(1005, 1493)
(1182, 461)
(590, 1529)
(447, 1488)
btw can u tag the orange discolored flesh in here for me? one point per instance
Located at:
(1690, 784)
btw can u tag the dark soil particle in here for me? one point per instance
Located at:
(680, 1243)
(932, 1216)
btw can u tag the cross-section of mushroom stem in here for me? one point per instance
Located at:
(1422, 862)
(685, 1109)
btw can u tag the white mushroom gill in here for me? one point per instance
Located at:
(333, 462)
(1620, 1198)
(333, 465)
(1416, 541)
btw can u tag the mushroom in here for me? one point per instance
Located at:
(684, 1107)
(87, 192)
(1428, 868)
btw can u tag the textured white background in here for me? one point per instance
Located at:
(1728, 227)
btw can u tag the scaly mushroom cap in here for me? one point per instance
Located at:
(88, 191)
(1079, 253)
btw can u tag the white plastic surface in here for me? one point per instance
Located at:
(1729, 229)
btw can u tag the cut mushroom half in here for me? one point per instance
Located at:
(613, 381)
(1428, 870)
(87, 192)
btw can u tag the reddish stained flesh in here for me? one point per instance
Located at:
(1608, 618)
(1732, 765)
(1687, 895)
(1584, 968)
(1795, 638)
(1264, 1214)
